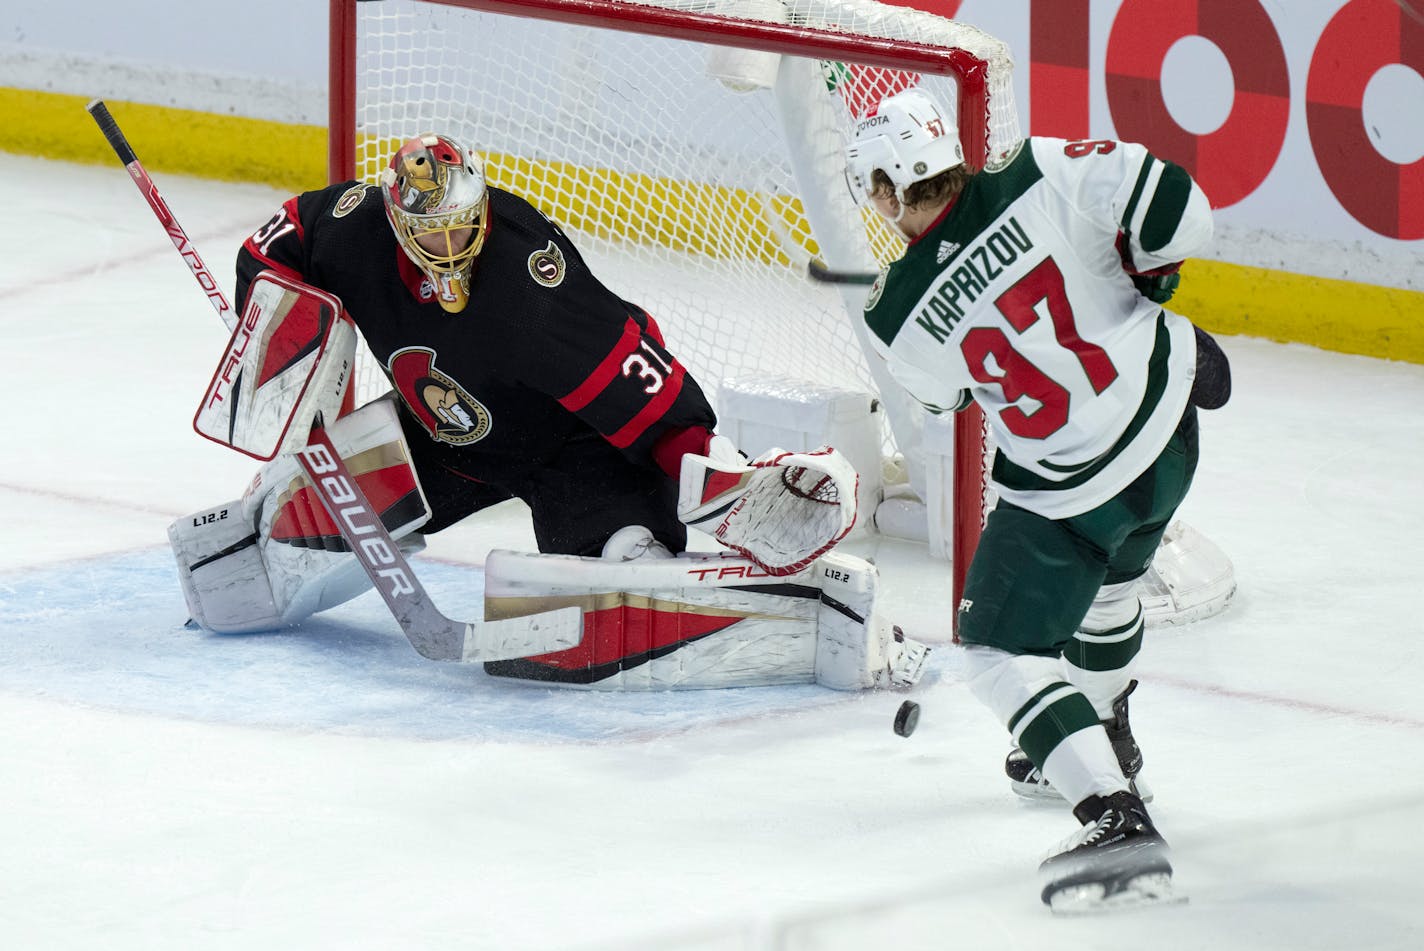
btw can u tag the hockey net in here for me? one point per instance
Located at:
(692, 148)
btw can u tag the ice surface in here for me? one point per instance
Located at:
(325, 787)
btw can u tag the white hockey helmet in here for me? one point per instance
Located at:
(436, 186)
(908, 137)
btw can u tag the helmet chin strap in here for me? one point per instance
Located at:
(898, 221)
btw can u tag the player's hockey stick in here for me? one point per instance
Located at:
(126, 155)
(817, 270)
(431, 633)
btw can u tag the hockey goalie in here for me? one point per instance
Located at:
(515, 373)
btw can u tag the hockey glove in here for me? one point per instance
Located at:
(1157, 288)
(1212, 386)
(783, 510)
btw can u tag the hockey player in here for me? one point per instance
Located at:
(515, 374)
(499, 342)
(1025, 287)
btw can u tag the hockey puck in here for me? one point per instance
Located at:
(907, 718)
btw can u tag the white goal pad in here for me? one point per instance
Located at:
(275, 556)
(703, 621)
(1190, 579)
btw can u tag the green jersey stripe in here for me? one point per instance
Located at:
(1126, 223)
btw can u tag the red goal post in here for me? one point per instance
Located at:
(400, 67)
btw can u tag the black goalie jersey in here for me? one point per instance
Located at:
(542, 355)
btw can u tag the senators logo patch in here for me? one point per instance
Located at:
(447, 411)
(350, 200)
(547, 266)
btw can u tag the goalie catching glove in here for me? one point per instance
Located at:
(782, 510)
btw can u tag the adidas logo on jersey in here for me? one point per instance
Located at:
(947, 250)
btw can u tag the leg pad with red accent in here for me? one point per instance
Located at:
(699, 621)
(275, 557)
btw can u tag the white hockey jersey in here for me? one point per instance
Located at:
(1017, 297)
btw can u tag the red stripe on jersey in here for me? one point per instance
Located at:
(605, 372)
(254, 247)
(652, 412)
(654, 330)
(290, 273)
(674, 444)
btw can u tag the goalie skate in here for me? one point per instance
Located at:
(1117, 860)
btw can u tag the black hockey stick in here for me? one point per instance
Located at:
(817, 270)
(431, 633)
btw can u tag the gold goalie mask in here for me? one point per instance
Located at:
(436, 201)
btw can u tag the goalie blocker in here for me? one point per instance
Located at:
(289, 360)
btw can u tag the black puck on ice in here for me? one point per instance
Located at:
(907, 718)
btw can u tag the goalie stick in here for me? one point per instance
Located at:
(431, 633)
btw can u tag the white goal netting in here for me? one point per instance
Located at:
(699, 198)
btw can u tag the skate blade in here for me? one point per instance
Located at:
(1037, 792)
(1043, 792)
(1092, 899)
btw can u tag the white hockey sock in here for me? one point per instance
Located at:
(1044, 713)
(1084, 765)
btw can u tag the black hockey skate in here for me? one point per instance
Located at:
(1117, 860)
(1027, 781)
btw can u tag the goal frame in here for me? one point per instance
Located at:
(971, 77)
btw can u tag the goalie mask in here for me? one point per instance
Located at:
(909, 138)
(438, 206)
